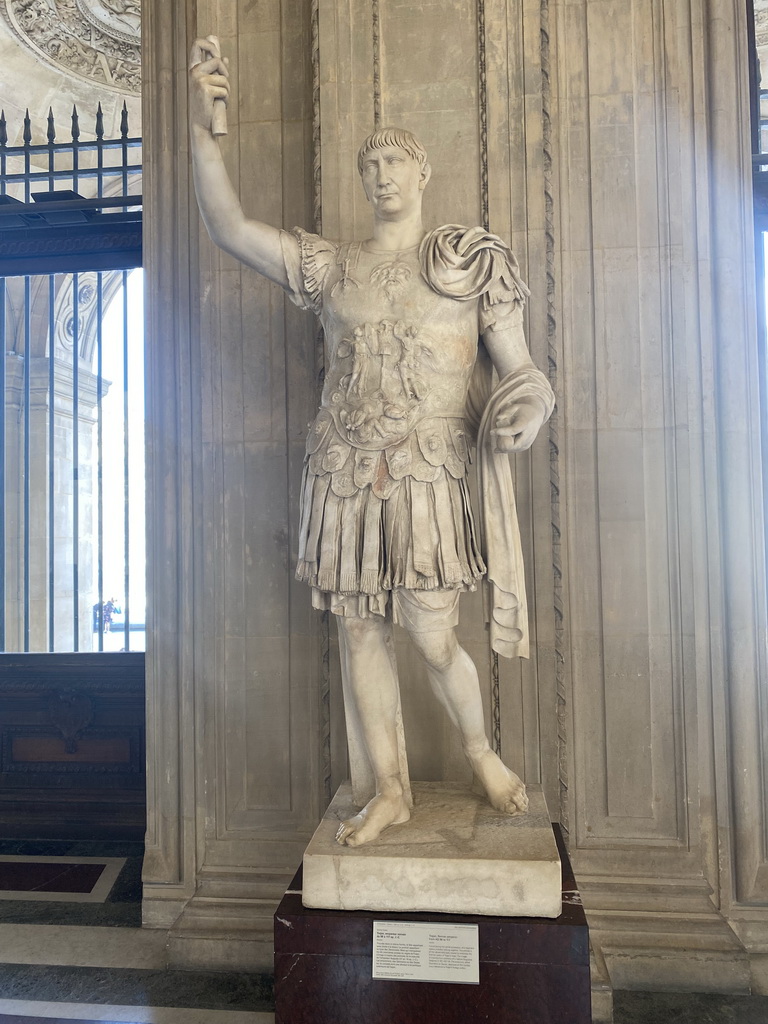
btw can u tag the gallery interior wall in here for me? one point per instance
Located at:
(608, 140)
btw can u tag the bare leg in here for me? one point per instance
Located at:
(373, 683)
(453, 677)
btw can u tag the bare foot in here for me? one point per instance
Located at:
(505, 791)
(378, 814)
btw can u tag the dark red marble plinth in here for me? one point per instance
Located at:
(532, 970)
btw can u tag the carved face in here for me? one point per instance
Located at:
(393, 182)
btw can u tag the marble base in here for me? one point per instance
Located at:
(532, 970)
(455, 856)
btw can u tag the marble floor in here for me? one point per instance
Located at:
(72, 951)
(630, 1008)
(72, 948)
(687, 1008)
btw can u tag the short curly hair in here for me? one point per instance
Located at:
(400, 138)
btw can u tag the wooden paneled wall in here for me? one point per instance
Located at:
(72, 751)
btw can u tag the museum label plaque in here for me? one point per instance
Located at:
(426, 951)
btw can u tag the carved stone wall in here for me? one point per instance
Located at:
(236, 765)
(662, 519)
(608, 140)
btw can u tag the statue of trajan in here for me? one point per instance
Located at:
(387, 533)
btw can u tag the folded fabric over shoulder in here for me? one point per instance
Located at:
(471, 263)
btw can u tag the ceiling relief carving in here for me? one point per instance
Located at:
(96, 40)
(761, 23)
(119, 18)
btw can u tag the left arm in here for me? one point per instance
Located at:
(518, 424)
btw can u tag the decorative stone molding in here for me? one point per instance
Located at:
(553, 364)
(376, 39)
(95, 40)
(317, 220)
(761, 23)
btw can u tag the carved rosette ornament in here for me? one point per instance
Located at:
(96, 40)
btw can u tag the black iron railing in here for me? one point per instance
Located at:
(45, 221)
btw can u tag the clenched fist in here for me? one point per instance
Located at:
(208, 86)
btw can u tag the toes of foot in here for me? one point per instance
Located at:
(344, 833)
(517, 801)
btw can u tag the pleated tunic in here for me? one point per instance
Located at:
(385, 501)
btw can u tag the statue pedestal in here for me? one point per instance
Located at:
(455, 856)
(532, 970)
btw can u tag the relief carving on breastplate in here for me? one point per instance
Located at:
(383, 380)
(391, 278)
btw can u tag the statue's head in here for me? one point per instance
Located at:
(392, 138)
(394, 171)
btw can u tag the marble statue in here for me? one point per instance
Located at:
(387, 533)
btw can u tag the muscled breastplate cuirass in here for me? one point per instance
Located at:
(398, 353)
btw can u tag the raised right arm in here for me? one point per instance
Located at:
(251, 241)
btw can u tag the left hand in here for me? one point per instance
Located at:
(517, 426)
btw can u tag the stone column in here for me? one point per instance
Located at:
(238, 747)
